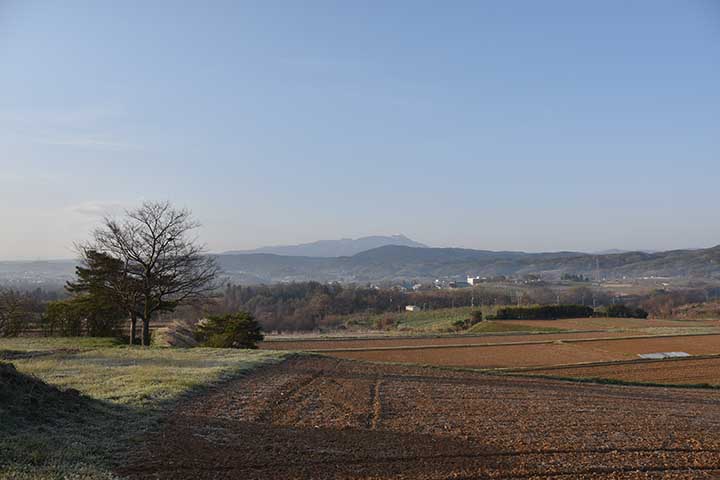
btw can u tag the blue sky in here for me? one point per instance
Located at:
(522, 125)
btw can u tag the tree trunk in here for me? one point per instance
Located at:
(146, 326)
(133, 328)
(145, 332)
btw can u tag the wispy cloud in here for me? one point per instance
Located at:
(88, 128)
(97, 208)
(90, 141)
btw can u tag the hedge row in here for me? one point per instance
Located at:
(623, 311)
(543, 312)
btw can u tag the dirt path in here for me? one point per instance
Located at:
(321, 418)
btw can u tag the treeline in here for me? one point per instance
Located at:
(21, 312)
(554, 312)
(662, 303)
(314, 305)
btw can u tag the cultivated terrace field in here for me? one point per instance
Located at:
(322, 418)
(702, 372)
(559, 403)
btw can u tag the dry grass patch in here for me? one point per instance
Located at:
(123, 393)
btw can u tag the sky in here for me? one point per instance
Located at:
(502, 125)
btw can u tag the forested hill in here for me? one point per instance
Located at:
(403, 263)
(397, 263)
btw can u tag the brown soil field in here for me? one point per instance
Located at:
(531, 355)
(670, 371)
(326, 344)
(322, 418)
(608, 323)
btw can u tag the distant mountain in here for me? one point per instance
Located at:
(399, 263)
(612, 251)
(345, 247)
(48, 274)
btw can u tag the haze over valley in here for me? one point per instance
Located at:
(396, 259)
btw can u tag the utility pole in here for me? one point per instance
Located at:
(597, 269)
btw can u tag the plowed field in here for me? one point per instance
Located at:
(327, 344)
(529, 355)
(671, 371)
(321, 418)
(606, 323)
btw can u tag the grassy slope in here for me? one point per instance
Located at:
(498, 327)
(440, 320)
(125, 392)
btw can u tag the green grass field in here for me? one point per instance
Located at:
(499, 327)
(48, 434)
(426, 321)
(439, 321)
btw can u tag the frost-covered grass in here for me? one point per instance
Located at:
(124, 393)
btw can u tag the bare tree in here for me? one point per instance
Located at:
(12, 312)
(165, 266)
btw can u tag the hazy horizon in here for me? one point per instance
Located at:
(243, 250)
(496, 125)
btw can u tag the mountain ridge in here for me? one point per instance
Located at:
(394, 263)
(344, 247)
(399, 263)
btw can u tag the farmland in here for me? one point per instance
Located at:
(564, 403)
(384, 343)
(324, 418)
(510, 351)
(681, 371)
(612, 323)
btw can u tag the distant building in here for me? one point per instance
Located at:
(458, 285)
(412, 308)
(473, 281)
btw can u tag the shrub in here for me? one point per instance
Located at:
(458, 325)
(623, 311)
(239, 330)
(543, 312)
(477, 317)
(385, 323)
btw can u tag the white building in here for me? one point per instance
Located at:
(473, 281)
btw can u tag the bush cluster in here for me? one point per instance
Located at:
(239, 330)
(476, 317)
(543, 312)
(623, 311)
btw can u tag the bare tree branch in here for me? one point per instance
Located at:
(164, 266)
